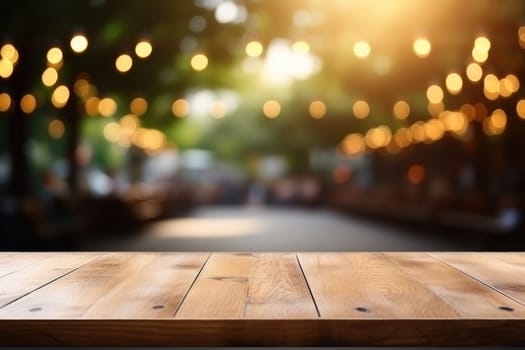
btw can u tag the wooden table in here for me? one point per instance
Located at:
(229, 299)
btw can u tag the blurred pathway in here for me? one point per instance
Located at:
(280, 229)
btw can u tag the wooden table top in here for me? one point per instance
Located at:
(228, 299)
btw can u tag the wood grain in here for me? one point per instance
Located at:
(367, 285)
(263, 299)
(467, 296)
(154, 290)
(73, 294)
(249, 285)
(24, 273)
(503, 271)
(267, 332)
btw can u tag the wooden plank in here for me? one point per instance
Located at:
(154, 290)
(277, 288)
(25, 273)
(467, 296)
(249, 285)
(367, 285)
(502, 271)
(73, 294)
(266, 332)
(221, 288)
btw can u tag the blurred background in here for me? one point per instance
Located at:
(262, 125)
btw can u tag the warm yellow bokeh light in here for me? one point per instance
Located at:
(353, 144)
(60, 96)
(271, 109)
(482, 44)
(434, 129)
(107, 107)
(362, 49)
(317, 109)
(129, 123)
(79, 43)
(435, 94)
(199, 62)
(474, 72)
(9, 52)
(401, 110)
(138, 106)
(123, 63)
(54, 56)
(403, 137)
(56, 129)
(480, 56)
(520, 109)
(6, 68)
(417, 132)
(378, 137)
(218, 109)
(454, 83)
(491, 84)
(499, 119)
(111, 132)
(512, 82)
(50, 77)
(5, 102)
(92, 106)
(521, 36)
(301, 47)
(28, 103)
(254, 49)
(434, 109)
(180, 108)
(361, 109)
(143, 49)
(422, 48)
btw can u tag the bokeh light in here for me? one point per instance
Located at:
(520, 109)
(199, 62)
(5, 102)
(353, 144)
(78, 43)
(254, 49)
(107, 107)
(9, 52)
(138, 106)
(28, 103)
(361, 109)
(143, 49)
(454, 83)
(301, 47)
(49, 77)
(123, 63)
(401, 110)
(6, 68)
(56, 128)
(54, 56)
(92, 106)
(422, 47)
(317, 109)
(60, 96)
(435, 94)
(362, 49)
(474, 72)
(271, 109)
(180, 108)
(218, 109)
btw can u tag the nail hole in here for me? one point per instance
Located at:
(35, 309)
(506, 308)
(158, 306)
(361, 309)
